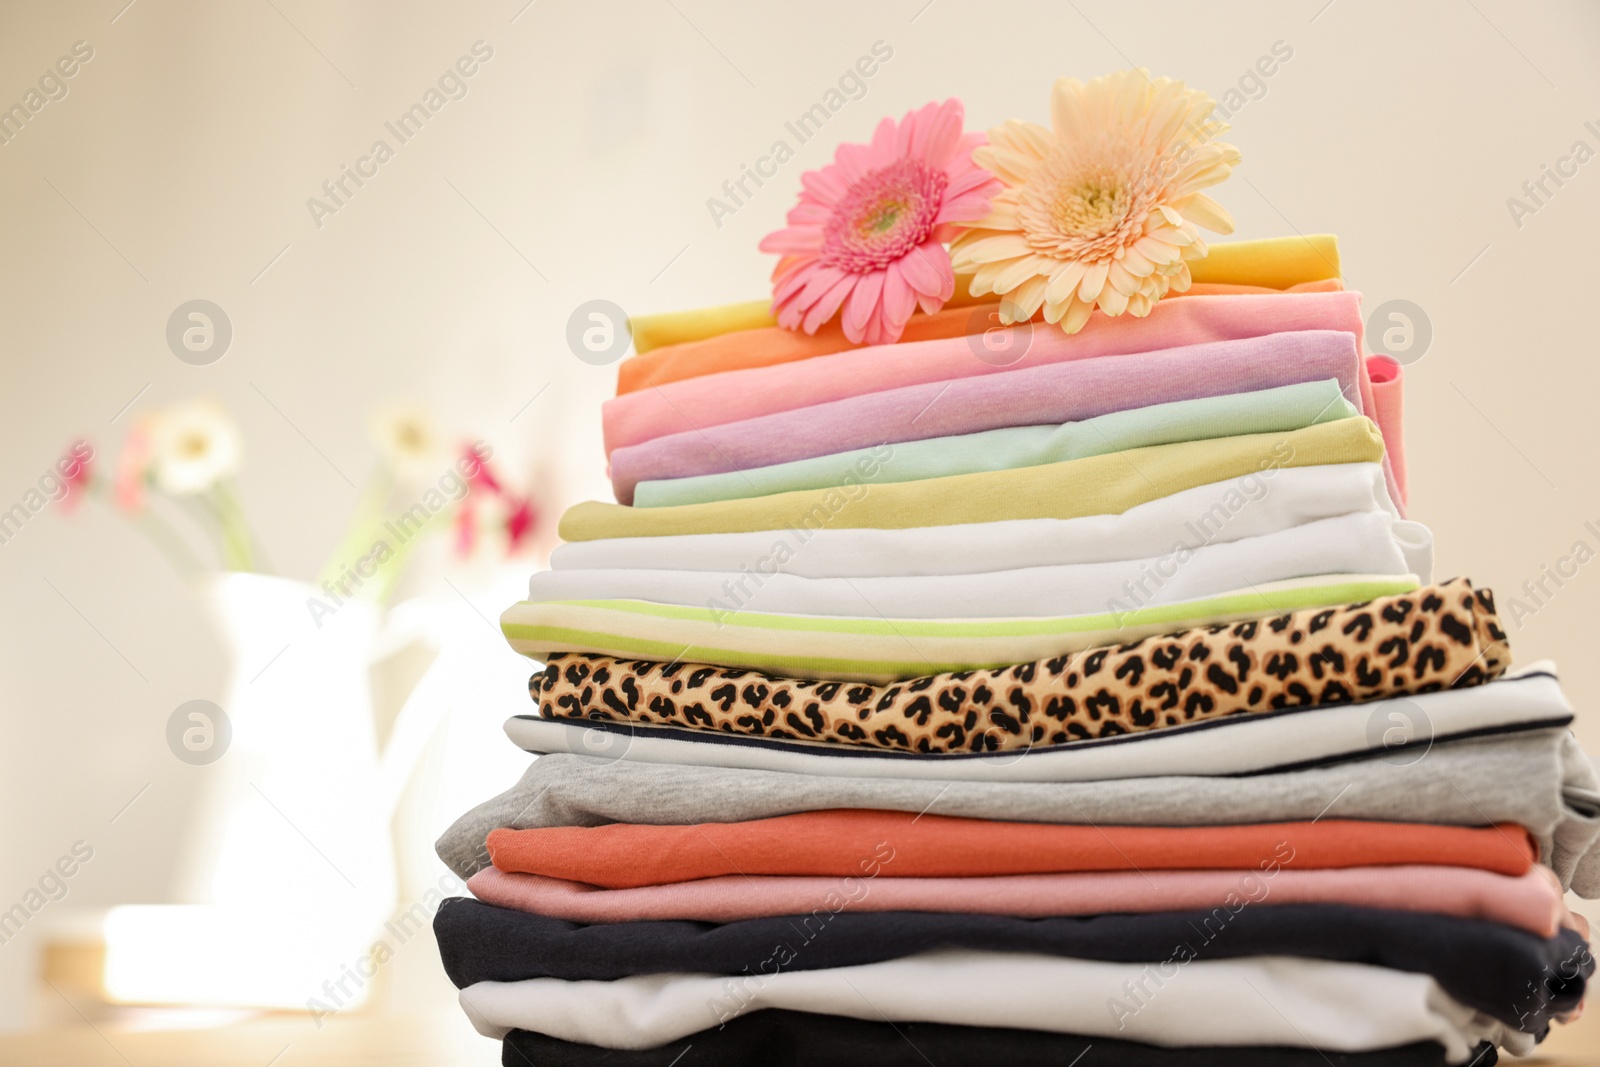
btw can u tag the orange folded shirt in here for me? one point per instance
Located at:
(771, 345)
(857, 843)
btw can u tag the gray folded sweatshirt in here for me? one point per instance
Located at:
(1540, 779)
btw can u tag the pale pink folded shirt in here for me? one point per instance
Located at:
(1530, 901)
(1039, 395)
(733, 396)
(1389, 412)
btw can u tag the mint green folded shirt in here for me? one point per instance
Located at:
(1288, 407)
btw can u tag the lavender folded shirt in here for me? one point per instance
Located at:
(1051, 393)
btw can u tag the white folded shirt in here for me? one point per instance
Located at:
(1204, 515)
(1400, 729)
(1253, 1001)
(1357, 543)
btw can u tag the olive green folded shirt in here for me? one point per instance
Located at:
(1098, 485)
(1288, 407)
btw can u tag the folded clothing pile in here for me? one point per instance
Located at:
(1089, 703)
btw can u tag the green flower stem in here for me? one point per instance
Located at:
(237, 543)
(364, 526)
(160, 533)
(389, 570)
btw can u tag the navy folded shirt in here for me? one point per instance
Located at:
(1510, 974)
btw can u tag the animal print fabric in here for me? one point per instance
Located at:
(1437, 637)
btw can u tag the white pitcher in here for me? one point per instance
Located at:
(288, 870)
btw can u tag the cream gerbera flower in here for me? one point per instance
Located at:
(1102, 211)
(192, 445)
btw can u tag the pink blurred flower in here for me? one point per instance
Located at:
(466, 527)
(132, 466)
(868, 233)
(519, 523)
(486, 489)
(76, 466)
(479, 476)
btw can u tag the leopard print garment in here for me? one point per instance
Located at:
(1434, 638)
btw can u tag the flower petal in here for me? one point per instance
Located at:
(862, 305)
(1094, 280)
(963, 209)
(796, 240)
(990, 248)
(941, 135)
(1011, 167)
(1134, 262)
(796, 279)
(927, 269)
(898, 299)
(1120, 279)
(1204, 211)
(1077, 314)
(1065, 282)
(971, 179)
(1019, 271)
(826, 185)
(1112, 301)
(823, 309)
(1026, 298)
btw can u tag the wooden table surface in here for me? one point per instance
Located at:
(443, 1041)
(270, 1041)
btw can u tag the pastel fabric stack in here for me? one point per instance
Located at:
(1005, 693)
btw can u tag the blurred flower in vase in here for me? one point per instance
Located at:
(186, 456)
(419, 487)
(490, 506)
(184, 459)
(192, 446)
(408, 441)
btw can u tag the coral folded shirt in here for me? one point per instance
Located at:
(853, 842)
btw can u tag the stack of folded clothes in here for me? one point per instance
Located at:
(1032, 663)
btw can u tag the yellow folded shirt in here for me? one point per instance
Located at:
(1273, 263)
(1099, 485)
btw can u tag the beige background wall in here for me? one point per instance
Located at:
(577, 166)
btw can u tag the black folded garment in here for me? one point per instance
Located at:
(1516, 977)
(776, 1038)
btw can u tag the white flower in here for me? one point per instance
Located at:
(192, 445)
(409, 441)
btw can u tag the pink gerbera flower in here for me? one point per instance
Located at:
(868, 233)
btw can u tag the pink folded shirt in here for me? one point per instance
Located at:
(1039, 395)
(1388, 380)
(1530, 901)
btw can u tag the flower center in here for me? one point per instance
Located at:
(882, 217)
(194, 445)
(1088, 206)
(1087, 202)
